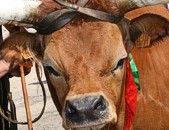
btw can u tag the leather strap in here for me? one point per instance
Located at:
(108, 17)
(56, 20)
(14, 121)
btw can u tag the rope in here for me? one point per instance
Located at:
(44, 102)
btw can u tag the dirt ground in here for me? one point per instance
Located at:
(51, 119)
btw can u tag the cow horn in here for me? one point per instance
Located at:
(128, 5)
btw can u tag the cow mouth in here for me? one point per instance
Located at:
(88, 124)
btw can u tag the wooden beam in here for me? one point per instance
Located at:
(25, 12)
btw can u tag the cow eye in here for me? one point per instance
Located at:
(52, 71)
(119, 65)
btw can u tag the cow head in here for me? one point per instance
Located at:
(85, 68)
(88, 60)
(85, 65)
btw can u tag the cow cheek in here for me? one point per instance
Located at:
(114, 86)
(60, 86)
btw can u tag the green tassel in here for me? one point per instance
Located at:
(135, 72)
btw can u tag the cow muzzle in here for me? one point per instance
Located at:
(88, 111)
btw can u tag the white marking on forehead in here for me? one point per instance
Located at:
(17, 10)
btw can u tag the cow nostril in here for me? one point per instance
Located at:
(86, 109)
(69, 109)
(100, 104)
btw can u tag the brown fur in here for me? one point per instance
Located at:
(17, 43)
(67, 40)
(85, 51)
(153, 66)
(152, 25)
(87, 68)
(157, 9)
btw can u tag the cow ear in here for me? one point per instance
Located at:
(21, 46)
(148, 28)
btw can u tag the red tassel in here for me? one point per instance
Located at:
(130, 96)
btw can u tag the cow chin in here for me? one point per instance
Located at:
(91, 112)
(97, 127)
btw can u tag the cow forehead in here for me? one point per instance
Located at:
(94, 44)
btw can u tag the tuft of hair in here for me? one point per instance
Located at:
(21, 46)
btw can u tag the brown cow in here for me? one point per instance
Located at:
(90, 72)
(85, 69)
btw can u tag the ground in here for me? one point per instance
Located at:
(51, 119)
